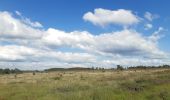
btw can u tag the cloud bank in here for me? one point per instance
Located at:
(22, 42)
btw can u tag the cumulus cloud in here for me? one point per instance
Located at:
(14, 53)
(23, 54)
(128, 42)
(103, 17)
(11, 27)
(125, 42)
(73, 39)
(20, 42)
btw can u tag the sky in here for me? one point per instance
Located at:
(75, 33)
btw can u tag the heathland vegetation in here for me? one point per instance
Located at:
(131, 83)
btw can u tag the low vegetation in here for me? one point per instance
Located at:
(121, 84)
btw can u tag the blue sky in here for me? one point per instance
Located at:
(67, 16)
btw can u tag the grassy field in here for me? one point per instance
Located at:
(152, 84)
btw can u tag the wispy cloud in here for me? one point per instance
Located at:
(150, 17)
(28, 21)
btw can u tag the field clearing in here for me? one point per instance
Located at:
(150, 84)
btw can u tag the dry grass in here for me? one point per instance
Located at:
(83, 85)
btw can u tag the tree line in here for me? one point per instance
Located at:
(118, 67)
(10, 71)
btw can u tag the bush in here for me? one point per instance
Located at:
(119, 67)
(33, 73)
(56, 78)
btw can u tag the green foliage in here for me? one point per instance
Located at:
(149, 67)
(10, 71)
(119, 67)
(56, 78)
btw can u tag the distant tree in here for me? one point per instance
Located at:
(119, 67)
(103, 70)
(97, 68)
(165, 66)
(6, 71)
(1, 71)
(100, 68)
(93, 68)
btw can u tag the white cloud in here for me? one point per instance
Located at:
(28, 21)
(124, 42)
(135, 61)
(14, 53)
(157, 34)
(150, 16)
(72, 39)
(22, 54)
(148, 26)
(11, 27)
(128, 42)
(18, 13)
(103, 17)
(33, 24)
(19, 42)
